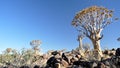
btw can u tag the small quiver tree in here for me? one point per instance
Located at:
(35, 45)
(80, 39)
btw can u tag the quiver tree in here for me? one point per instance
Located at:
(8, 50)
(35, 45)
(91, 21)
(79, 39)
(7, 56)
(80, 48)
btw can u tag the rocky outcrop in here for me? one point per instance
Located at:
(58, 59)
(111, 59)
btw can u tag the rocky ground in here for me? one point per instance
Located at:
(73, 59)
(111, 59)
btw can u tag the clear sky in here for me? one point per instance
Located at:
(22, 21)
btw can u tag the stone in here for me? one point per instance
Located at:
(50, 61)
(113, 49)
(43, 62)
(106, 52)
(111, 54)
(107, 67)
(65, 58)
(57, 56)
(57, 65)
(117, 52)
(55, 53)
(75, 58)
(64, 63)
(101, 65)
(107, 63)
(82, 63)
(78, 56)
(113, 66)
(5, 67)
(118, 62)
(94, 64)
(36, 66)
(45, 56)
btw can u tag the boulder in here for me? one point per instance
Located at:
(82, 63)
(53, 61)
(50, 61)
(117, 52)
(65, 58)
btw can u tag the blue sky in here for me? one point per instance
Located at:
(22, 21)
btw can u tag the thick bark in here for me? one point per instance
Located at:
(96, 44)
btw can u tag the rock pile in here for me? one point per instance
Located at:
(111, 59)
(58, 59)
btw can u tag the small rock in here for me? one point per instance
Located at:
(107, 63)
(94, 64)
(101, 65)
(113, 66)
(78, 56)
(57, 65)
(113, 49)
(64, 63)
(106, 52)
(55, 53)
(111, 54)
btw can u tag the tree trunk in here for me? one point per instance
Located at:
(80, 44)
(96, 44)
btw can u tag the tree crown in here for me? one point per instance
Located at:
(92, 20)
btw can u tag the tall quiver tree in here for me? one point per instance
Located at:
(92, 21)
(35, 45)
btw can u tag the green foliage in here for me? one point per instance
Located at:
(18, 58)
